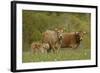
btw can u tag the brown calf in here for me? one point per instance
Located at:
(39, 47)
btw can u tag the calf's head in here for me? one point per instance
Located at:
(45, 46)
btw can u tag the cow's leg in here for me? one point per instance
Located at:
(35, 51)
(53, 49)
(49, 49)
(57, 48)
(31, 51)
(46, 50)
(71, 45)
(43, 50)
(75, 46)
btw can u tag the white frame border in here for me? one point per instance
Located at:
(51, 64)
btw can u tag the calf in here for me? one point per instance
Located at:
(39, 47)
(72, 39)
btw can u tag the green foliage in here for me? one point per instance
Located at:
(36, 22)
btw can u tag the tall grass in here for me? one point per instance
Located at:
(62, 55)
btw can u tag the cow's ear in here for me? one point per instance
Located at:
(76, 32)
(84, 32)
(56, 29)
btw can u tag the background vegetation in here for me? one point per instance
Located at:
(36, 22)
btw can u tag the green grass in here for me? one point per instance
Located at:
(65, 54)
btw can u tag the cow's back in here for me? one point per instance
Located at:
(49, 37)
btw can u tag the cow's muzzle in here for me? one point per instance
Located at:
(81, 39)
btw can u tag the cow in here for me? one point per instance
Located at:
(53, 38)
(72, 39)
(37, 47)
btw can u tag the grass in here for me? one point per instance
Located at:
(64, 54)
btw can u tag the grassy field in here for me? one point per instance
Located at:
(64, 54)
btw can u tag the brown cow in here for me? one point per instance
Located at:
(37, 47)
(72, 39)
(53, 38)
